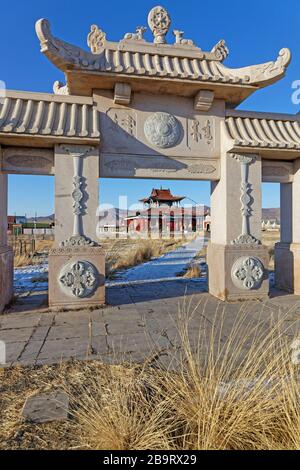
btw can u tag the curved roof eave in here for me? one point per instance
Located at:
(158, 61)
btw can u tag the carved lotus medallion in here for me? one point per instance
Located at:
(247, 273)
(79, 279)
(162, 130)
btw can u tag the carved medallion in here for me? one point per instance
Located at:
(162, 130)
(79, 279)
(247, 273)
(159, 22)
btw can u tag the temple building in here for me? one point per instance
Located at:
(164, 216)
(162, 197)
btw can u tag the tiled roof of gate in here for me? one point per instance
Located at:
(263, 131)
(137, 57)
(48, 115)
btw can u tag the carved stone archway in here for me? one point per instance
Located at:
(139, 109)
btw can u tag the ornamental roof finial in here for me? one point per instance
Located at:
(159, 22)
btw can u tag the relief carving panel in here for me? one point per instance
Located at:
(153, 166)
(25, 160)
(79, 279)
(277, 172)
(158, 125)
(247, 273)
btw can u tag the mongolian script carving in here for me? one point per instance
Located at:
(129, 124)
(199, 133)
(196, 134)
(122, 120)
(207, 132)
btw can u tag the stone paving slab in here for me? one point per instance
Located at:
(46, 407)
(132, 330)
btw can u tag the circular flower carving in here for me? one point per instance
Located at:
(247, 273)
(162, 130)
(79, 279)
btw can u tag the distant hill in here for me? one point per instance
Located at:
(271, 214)
(109, 215)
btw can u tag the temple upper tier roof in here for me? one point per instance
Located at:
(181, 68)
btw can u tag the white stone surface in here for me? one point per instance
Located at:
(3, 209)
(64, 189)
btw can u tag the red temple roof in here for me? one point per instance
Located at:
(162, 195)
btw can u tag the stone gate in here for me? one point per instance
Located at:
(139, 109)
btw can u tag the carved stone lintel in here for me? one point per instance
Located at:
(159, 22)
(96, 39)
(247, 273)
(79, 279)
(203, 100)
(122, 93)
(28, 160)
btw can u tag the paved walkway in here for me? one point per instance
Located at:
(139, 320)
(166, 267)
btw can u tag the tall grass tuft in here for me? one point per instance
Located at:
(232, 386)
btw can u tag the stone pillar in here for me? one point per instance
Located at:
(76, 263)
(6, 252)
(237, 261)
(287, 251)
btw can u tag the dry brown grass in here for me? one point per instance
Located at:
(193, 271)
(238, 390)
(122, 255)
(269, 239)
(29, 258)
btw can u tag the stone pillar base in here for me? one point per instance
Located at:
(287, 267)
(238, 272)
(76, 277)
(6, 276)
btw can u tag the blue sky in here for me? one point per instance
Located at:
(254, 33)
